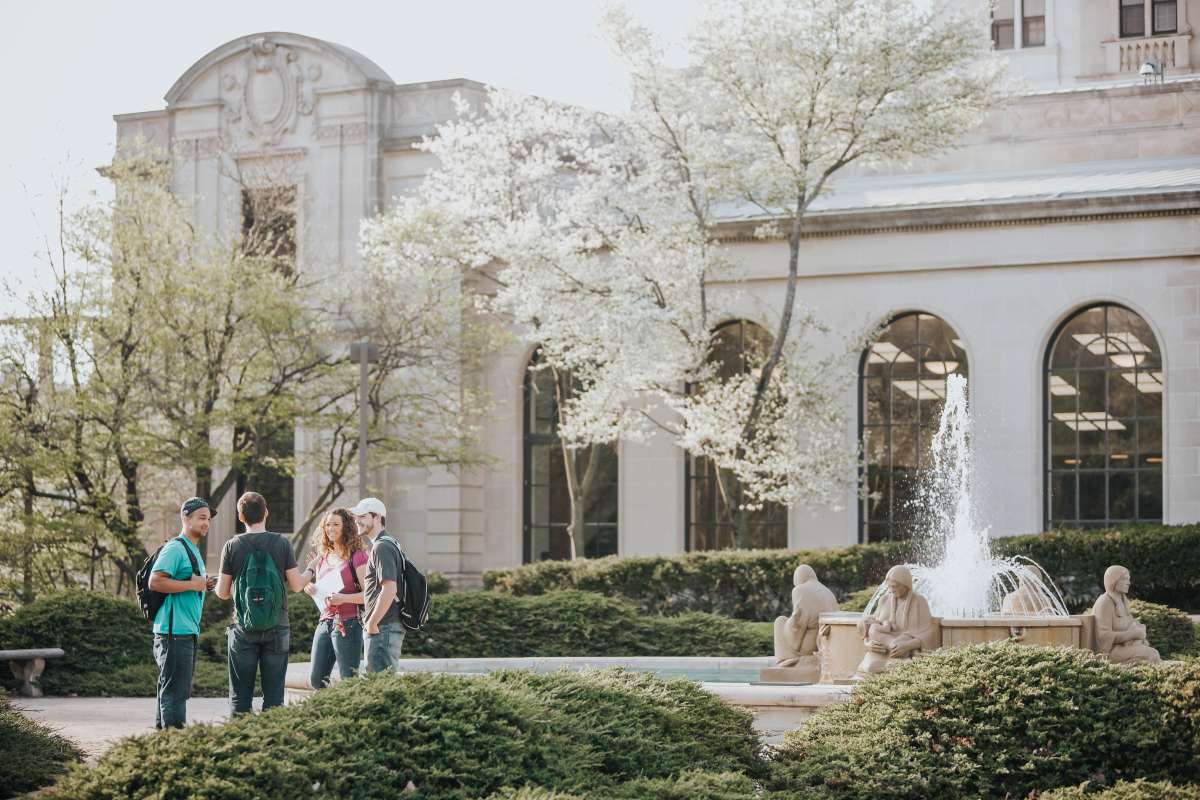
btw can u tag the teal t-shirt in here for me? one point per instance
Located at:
(188, 605)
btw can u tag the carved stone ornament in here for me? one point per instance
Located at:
(268, 92)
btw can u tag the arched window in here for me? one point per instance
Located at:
(902, 388)
(714, 517)
(547, 500)
(1103, 403)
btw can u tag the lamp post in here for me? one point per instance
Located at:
(364, 353)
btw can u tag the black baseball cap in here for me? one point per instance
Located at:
(193, 503)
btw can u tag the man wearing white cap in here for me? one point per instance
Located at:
(384, 633)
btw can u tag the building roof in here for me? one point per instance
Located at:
(1106, 179)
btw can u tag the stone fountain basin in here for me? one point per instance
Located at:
(842, 649)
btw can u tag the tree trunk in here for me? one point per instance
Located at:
(27, 593)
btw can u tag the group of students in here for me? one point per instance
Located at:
(359, 625)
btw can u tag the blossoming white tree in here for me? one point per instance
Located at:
(601, 232)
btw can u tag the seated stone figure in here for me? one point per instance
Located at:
(1027, 601)
(901, 625)
(1118, 635)
(796, 636)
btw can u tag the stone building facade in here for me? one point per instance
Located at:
(1053, 256)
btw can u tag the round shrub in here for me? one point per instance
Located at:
(1127, 790)
(688, 786)
(570, 623)
(99, 633)
(450, 737)
(34, 755)
(1168, 630)
(640, 724)
(1000, 720)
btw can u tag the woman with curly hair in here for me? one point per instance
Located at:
(339, 634)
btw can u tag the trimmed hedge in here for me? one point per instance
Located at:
(756, 584)
(34, 755)
(1000, 720)
(488, 624)
(109, 647)
(857, 601)
(1128, 790)
(450, 737)
(1168, 630)
(99, 633)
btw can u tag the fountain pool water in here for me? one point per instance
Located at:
(959, 575)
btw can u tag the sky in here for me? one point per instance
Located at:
(69, 66)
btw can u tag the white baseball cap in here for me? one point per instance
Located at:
(369, 505)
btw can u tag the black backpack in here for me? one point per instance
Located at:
(151, 601)
(413, 592)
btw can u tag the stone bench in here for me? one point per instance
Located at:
(27, 666)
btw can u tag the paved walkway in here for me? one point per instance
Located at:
(95, 723)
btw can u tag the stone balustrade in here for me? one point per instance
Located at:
(1124, 56)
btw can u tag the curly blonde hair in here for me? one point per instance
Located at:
(351, 542)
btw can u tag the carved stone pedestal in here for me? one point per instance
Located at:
(27, 672)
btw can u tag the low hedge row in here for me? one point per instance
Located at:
(756, 584)
(386, 736)
(568, 623)
(1001, 720)
(33, 756)
(108, 645)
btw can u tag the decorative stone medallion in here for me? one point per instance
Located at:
(268, 92)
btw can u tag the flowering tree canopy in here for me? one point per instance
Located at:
(600, 232)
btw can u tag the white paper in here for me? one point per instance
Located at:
(328, 584)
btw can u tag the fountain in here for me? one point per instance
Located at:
(973, 595)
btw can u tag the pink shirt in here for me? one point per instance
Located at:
(328, 564)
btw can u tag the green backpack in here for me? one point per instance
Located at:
(258, 595)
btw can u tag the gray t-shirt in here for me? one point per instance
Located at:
(382, 565)
(236, 550)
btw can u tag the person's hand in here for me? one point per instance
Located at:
(372, 629)
(309, 589)
(198, 583)
(897, 651)
(876, 647)
(336, 599)
(212, 582)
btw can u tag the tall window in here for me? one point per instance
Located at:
(547, 499)
(271, 474)
(1103, 400)
(1033, 23)
(1133, 17)
(1165, 16)
(1002, 25)
(715, 517)
(902, 388)
(269, 225)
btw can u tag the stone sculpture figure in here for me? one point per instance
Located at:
(1027, 601)
(901, 625)
(1118, 635)
(796, 636)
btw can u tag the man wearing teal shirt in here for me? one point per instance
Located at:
(178, 573)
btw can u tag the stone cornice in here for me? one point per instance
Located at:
(989, 215)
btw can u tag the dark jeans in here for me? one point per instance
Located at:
(250, 650)
(328, 645)
(383, 649)
(176, 658)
